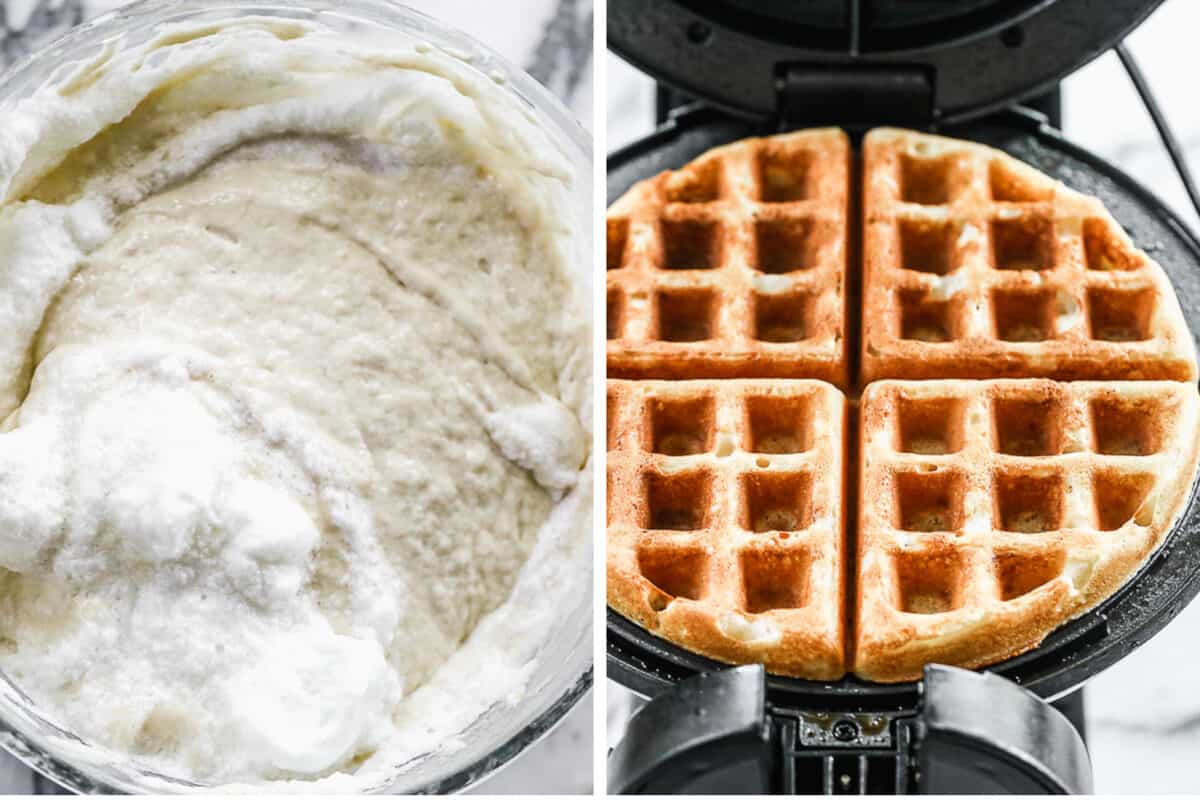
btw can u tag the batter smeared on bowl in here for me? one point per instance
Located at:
(293, 379)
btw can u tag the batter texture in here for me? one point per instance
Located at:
(293, 382)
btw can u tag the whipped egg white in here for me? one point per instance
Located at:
(294, 390)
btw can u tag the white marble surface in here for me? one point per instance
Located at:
(1144, 713)
(561, 31)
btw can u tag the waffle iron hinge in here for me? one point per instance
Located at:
(835, 752)
(971, 733)
(825, 94)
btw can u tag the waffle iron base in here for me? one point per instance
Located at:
(1164, 585)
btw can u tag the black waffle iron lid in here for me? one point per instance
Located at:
(915, 62)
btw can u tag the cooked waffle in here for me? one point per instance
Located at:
(725, 505)
(991, 511)
(976, 265)
(1001, 509)
(735, 265)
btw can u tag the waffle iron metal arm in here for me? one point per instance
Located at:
(983, 734)
(708, 734)
(973, 733)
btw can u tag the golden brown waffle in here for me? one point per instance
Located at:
(978, 266)
(991, 511)
(735, 265)
(1001, 509)
(725, 506)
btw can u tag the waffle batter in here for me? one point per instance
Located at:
(292, 384)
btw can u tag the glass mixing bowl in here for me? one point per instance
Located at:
(564, 667)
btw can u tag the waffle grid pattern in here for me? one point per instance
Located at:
(734, 266)
(728, 495)
(994, 504)
(985, 491)
(977, 266)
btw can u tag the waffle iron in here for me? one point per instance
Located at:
(966, 69)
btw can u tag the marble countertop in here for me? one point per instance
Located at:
(1143, 713)
(552, 40)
